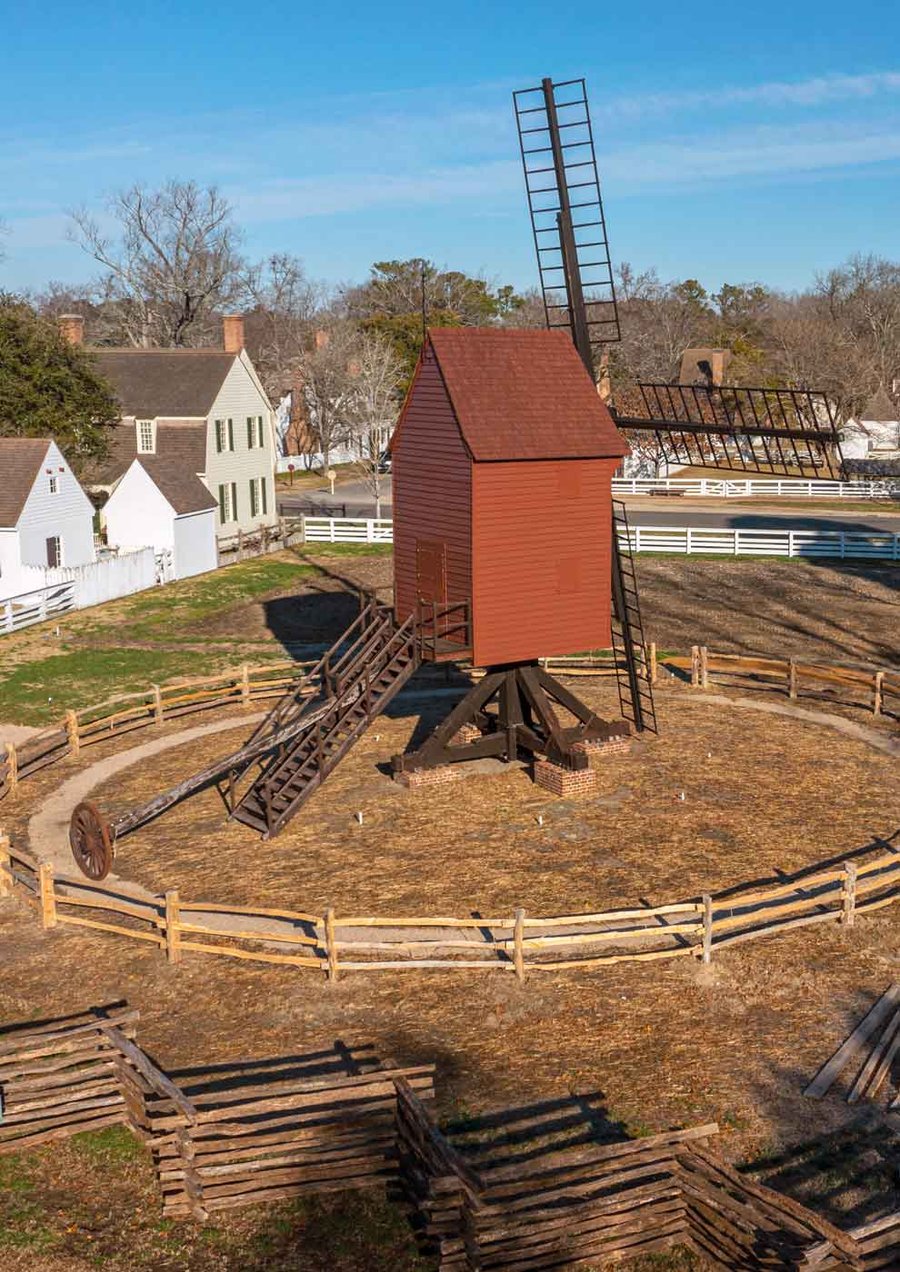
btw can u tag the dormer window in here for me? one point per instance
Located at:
(146, 437)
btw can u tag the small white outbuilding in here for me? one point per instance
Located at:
(157, 503)
(46, 519)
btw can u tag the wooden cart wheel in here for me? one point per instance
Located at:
(91, 840)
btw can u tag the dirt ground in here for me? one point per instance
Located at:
(663, 1044)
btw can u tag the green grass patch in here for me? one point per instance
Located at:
(112, 1146)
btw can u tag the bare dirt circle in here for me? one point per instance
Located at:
(723, 796)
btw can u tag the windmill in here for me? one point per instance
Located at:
(776, 431)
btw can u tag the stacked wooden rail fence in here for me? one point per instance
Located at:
(542, 1186)
(872, 1046)
(517, 943)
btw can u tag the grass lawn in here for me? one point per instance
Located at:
(191, 628)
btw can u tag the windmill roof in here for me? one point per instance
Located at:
(167, 383)
(183, 490)
(20, 462)
(880, 408)
(523, 394)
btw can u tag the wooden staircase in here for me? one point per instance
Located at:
(629, 646)
(357, 683)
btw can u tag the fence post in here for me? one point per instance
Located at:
(704, 667)
(848, 895)
(173, 929)
(12, 763)
(695, 666)
(245, 686)
(518, 947)
(48, 897)
(6, 881)
(877, 693)
(792, 678)
(157, 704)
(72, 732)
(331, 945)
(707, 927)
(653, 666)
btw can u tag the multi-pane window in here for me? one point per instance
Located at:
(254, 496)
(228, 507)
(146, 437)
(255, 432)
(224, 436)
(54, 485)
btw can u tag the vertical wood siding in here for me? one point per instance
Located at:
(541, 533)
(432, 489)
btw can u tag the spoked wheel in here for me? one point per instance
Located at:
(91, 841)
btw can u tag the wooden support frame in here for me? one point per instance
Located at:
(516, 709)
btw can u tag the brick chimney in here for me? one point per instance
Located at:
(71, 328)
(233, 333)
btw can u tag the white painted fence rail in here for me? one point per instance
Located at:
(36, 607)
(788, 488)
(678, 540)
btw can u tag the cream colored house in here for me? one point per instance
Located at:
(202, 409)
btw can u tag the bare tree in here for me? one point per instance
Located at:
(371, 408)
(279, 321)
(324, 380)
(173, 261)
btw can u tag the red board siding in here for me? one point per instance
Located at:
(432, 489)
(541, 535)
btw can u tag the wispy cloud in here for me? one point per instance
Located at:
(820, 90)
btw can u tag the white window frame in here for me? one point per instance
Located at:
(225, 503)
(145, 429)
(224, 435)
(254, 496)
(53, 484)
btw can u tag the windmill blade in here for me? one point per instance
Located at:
(778, 431)
(557, 146)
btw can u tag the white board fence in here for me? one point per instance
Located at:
(757, 488)
(677, 540)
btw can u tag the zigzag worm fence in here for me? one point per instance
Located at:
(514, 943)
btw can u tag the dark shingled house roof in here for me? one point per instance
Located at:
(523, 395)
(182, 488)
(165, 383)
(21, 459)
(183, 440)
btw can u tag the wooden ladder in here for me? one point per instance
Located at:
(361, 683)
(629, 646)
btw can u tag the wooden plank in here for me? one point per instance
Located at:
(75, 921)
(874, 1017)
(254, 956)
(145, 1066)
(878, 1063)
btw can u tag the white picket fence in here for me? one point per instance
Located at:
(678, 540)
(36, 607)
(757, 488)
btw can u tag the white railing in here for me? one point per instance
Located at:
(705, 540)
(679, 540)
(36, 607)
(347, 530)
(756, 488)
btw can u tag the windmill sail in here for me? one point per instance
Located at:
(785, 432)
(557, 147)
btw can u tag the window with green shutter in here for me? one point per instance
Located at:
(223, 505)
(251, 432)
(259, 434)
(234, 502)
(231, 435)
(265, 502)
(254, 496)
(220, 436)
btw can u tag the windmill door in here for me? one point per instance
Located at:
(431, 582)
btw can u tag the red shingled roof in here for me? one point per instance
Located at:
(523, 394)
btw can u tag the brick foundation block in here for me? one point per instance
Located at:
(596, 748)
(468, 733)
(567, 783)
(440, 776)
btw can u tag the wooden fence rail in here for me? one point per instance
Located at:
(554, 1193)
(516, 943)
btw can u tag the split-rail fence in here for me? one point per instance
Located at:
(533, 1187)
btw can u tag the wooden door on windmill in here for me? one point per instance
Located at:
(431, 580)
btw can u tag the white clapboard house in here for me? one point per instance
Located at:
(157, 502)
(874, 438)
(201, 410)
(46, 519)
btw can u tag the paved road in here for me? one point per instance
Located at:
(645, 511)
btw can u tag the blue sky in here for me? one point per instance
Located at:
(740, 143)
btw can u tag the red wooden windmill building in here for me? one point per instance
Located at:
(508, 545)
